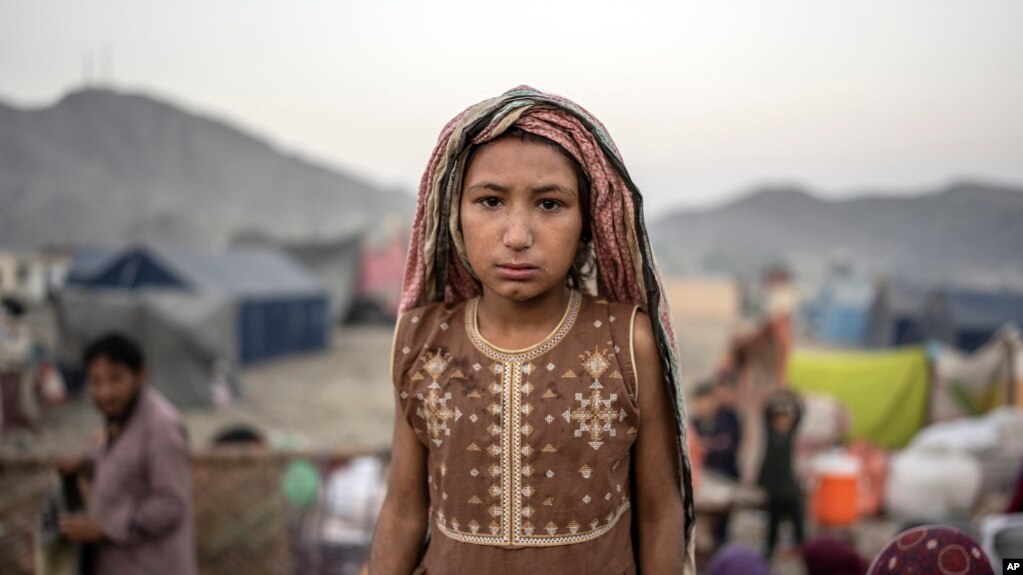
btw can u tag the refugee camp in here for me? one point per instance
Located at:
(457, 288)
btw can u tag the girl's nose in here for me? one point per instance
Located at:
(518, 234)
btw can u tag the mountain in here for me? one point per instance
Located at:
(963, 232)
(102, 167)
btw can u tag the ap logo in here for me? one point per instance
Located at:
(1013, 565)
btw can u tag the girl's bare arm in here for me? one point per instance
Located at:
(401, 528)
(659, 508)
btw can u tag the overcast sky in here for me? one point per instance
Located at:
(705, 100)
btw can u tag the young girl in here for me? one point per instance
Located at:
(539, 422)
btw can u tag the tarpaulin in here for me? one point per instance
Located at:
(885, 393)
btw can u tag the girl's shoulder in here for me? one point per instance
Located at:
(427, 318)
(621, 313)
(419, 327)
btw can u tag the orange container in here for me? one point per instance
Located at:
(836, 492)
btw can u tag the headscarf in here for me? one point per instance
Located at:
(737, 558)
(932, 549)
(829, 555)
(437, 269)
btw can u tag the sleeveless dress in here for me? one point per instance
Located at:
(529, 467)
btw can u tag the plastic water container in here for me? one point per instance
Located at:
(836, 489)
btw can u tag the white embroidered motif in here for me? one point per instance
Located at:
(434, 406)
(596, 416)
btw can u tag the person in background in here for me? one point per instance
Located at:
(18, 398)
(931, 549)
(729, 426)
(782, 413)
(718, 427)
(1016, 504)
(737, 559)
(704, 410)
(829, 555)
(138, 518)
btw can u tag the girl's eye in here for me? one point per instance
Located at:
(549, 205)
(490, 202)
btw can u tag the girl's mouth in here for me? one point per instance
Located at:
(517, 272)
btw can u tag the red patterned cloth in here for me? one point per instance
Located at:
(932, 549)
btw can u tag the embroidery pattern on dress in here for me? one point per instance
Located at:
(512, 517)
(433, 406)
(596, 414)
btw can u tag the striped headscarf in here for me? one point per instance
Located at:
(437, 270)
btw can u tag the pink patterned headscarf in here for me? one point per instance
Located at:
(932, 549)
(436, 269)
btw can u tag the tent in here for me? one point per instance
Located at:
(335, 263)
(194, 313)
(966, 320)
(185, 338)
(840, 312)
(966, 385)
(895, 315)
(885, 393)
(279, 307)
(88, 261)
(380, 273)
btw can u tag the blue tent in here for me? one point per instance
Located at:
(895, 316)
(86, 262)
(278, 307)
(968, 319)
(840, 312)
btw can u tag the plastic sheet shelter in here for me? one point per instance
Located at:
(885, 393)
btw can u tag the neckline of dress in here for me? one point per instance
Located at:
(553, 338)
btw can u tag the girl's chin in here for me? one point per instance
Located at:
(521, 291)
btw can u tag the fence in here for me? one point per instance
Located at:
(243, 520)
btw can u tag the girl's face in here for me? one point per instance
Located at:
(521, 218)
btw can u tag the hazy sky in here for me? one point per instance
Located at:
(704, 99)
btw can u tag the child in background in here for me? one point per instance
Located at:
(782, 412)
(729, 429)
(718, 428)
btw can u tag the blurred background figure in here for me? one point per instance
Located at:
(782, 412)
(729, 428)
(932, 549)
(19, 405)
(735, 559)
(1016, 504)
(240, 435)
(830, 555)
(717, 424)
(138, 515)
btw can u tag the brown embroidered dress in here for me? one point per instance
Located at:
(529, 450)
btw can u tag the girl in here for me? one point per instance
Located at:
(539, 422)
